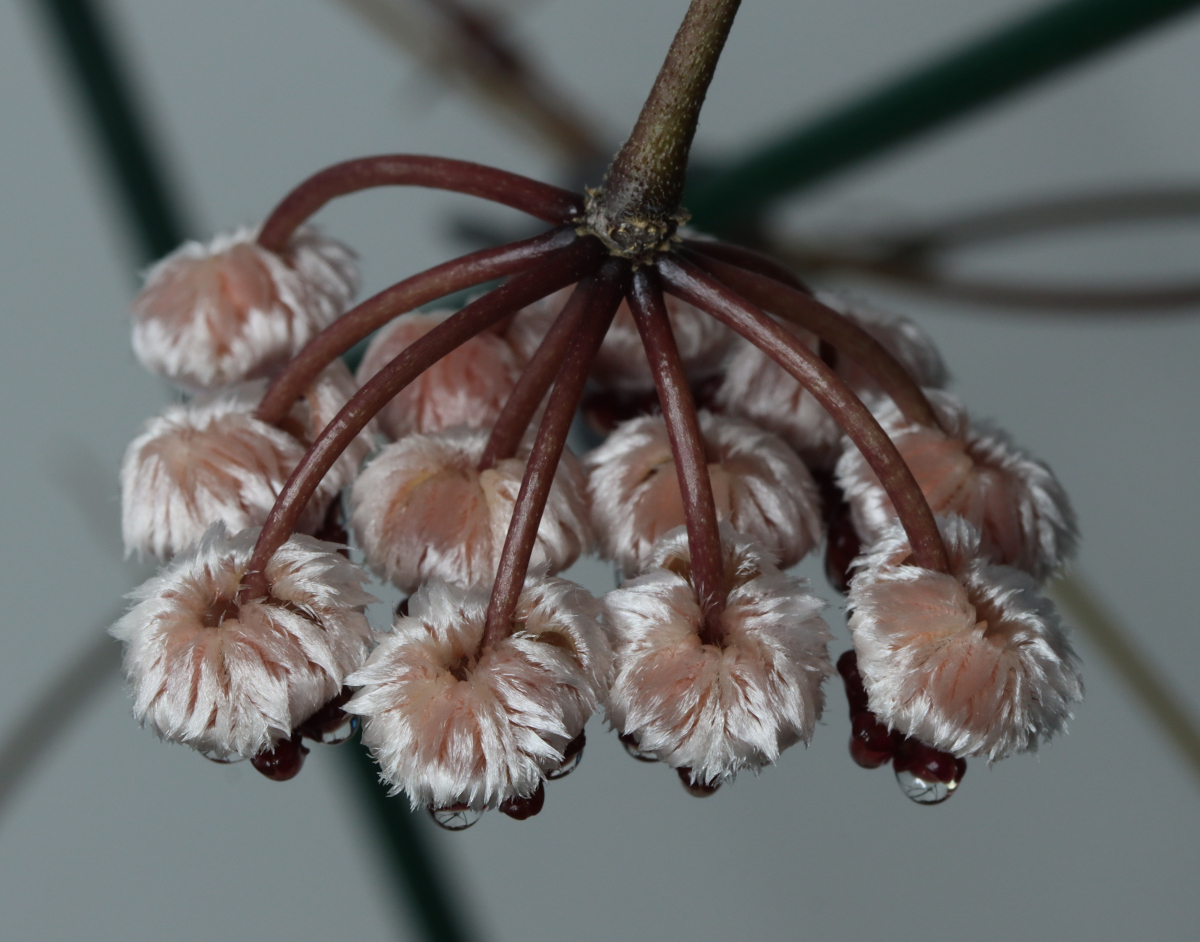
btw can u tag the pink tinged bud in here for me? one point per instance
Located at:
(1014, 500)
(715, 709)
(233, 679)
(704, 343)
(423, 510)
(453, 726)
(759, 485)
(215, 314)
(758, 389)
(974, 663)
(212, 460)
(467, 387)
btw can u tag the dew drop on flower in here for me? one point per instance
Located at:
(455, 818)
(698, 789)
(572, 756)
(330, 725)
(283, 762)
(870, 742)
(632, 747)
(925, 775)
(221, 758)
(522, 808)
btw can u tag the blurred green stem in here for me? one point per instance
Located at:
(1167, 710)
(90, 55)
(901, 109)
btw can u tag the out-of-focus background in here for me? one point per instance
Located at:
(117, 836)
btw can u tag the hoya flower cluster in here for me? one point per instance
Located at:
(746, 424)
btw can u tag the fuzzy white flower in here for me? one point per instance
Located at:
(1014, 500)
(466, 387)
(716, 708)
(229, 310)
(756, 388)
(452, 725)
(229, 679)
(423, 510)
(974, 663)
(212, 460)
(621, 364)
(759, 486)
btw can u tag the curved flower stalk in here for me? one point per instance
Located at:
(720, 657)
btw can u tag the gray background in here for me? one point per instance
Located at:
(120, 837)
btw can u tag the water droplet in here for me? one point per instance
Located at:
(522, 808)
(871, 745)
(926, 775)
(220, 757)
(455, 817)
(632, 747)
(699, 789)
(330, 725)
(282, 762)
(572, 756)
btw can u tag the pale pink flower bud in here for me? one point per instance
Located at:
(466, 387)
(423, 510)
(621, 364)
(452, 725)
(716, 708)
(212, 460)
(215, 314)
(974, 663)
(756, 388)
(232, 679)
(1014, 500)
(759, 486)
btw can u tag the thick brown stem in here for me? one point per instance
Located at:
(358, 323)
(535, 380)
(703, 291)
(647, 175)
(687, 446)
(549, 203)
(847, 337)
(562, 268)
(547, 449)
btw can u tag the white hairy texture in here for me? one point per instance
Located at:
(466, 387)
(235, 685)
(759, 487)
(621, 363)
(716, 709)
(974, 663)
(229, 310)
(212, 460)
(1014, 500)
(452, 726)
(423, 510)
(756, 388)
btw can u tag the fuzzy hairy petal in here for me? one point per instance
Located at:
(449, 727)
(1011, 498)
(756, 388)
(240, 685)
(211, 460)
(975, 662)
(423, 510)
(468, 386)
(759, 486)
(716, 709)
(229, 310)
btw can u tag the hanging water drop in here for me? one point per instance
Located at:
(455, 817)
(572, 756)
(631, 746)
(522, 808)
(283, 762)
(330, 725)
(220, 757)
(926, 775)
(698, 789)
